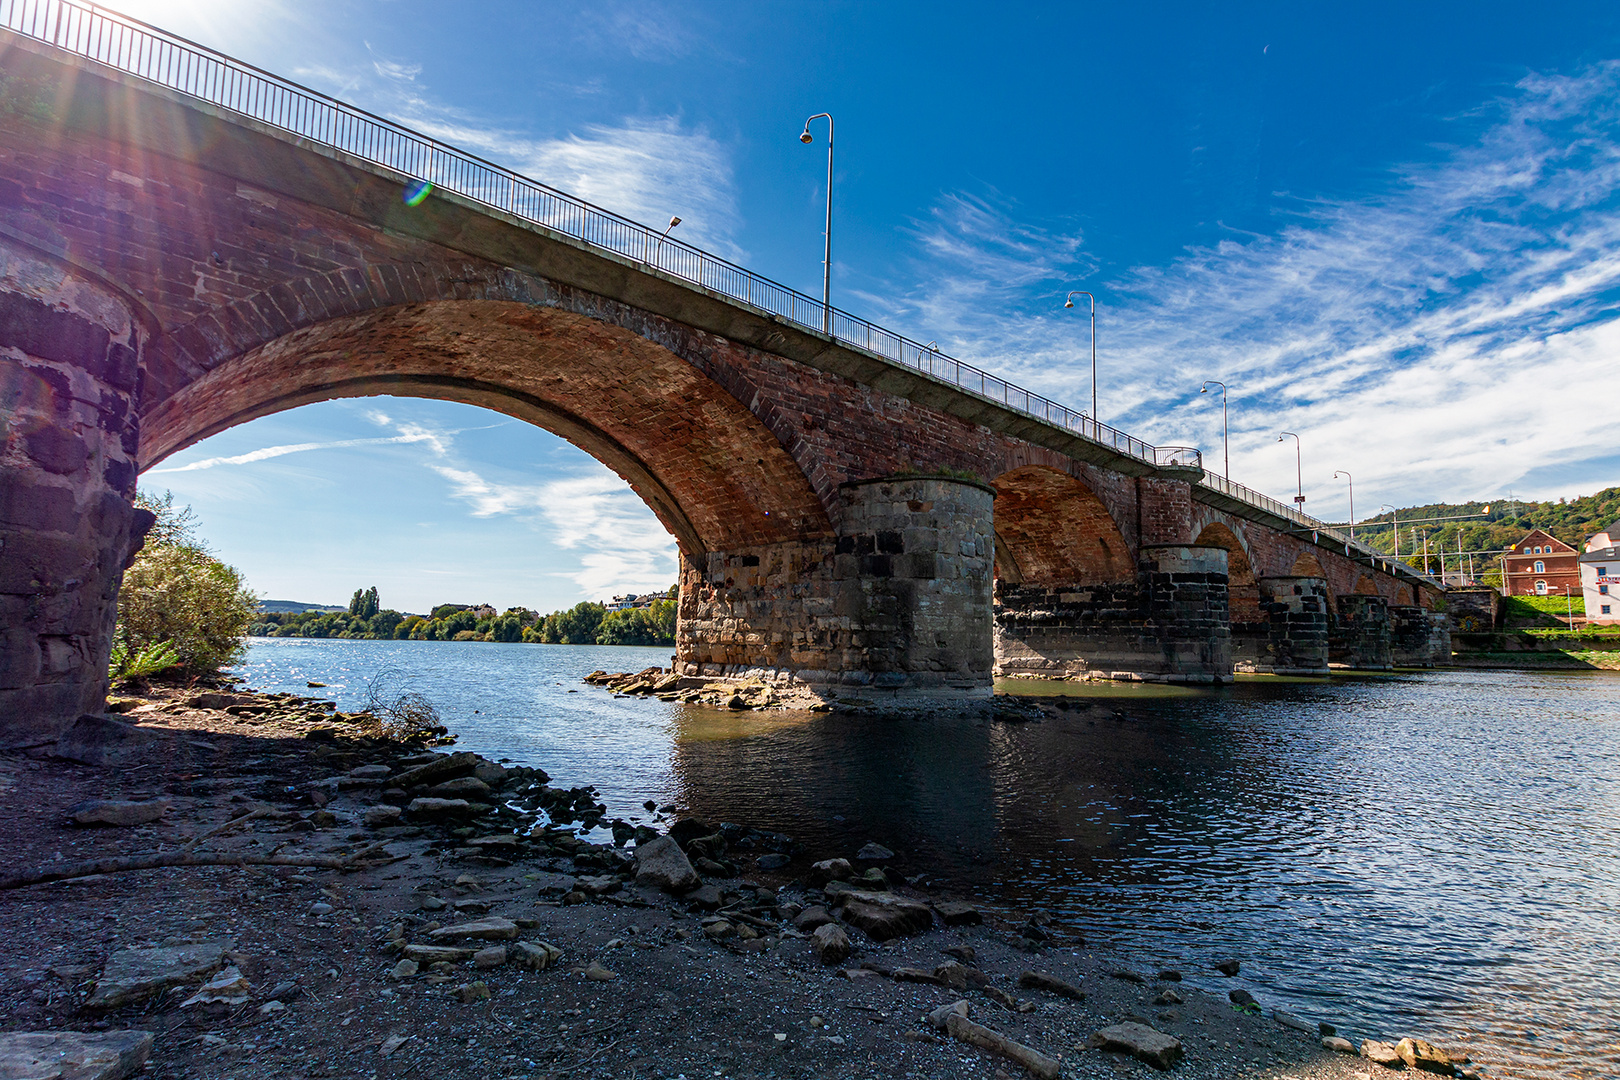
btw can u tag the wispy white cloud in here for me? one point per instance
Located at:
(268, 452)
(1425, 336)
(622, 545)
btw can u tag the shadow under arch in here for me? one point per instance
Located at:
(1052, 530)
(1242, 591)
(711, 471)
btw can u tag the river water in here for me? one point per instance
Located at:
(1434, 854)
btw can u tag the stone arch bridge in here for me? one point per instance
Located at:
(187, 244)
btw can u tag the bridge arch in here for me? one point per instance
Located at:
(708, 467)
(1053, 531)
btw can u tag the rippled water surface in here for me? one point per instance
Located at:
(1432, 854)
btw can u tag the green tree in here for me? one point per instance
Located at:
(580, 624)
(506, 628)
(175, 592)
(364, 604)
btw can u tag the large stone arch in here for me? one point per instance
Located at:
(1053, 531)
(716, 477)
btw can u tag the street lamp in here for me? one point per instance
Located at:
(674, 221)
(1068, 302)
(1394, 516)
(1226, 448)
(826, 258)
(1299, 470)
(1336, 474)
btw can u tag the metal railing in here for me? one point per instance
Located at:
(1235, 490)
(136, 48)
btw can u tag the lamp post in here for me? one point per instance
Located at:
(1336, 474)
(1299, 469)
(657, 251)
(826, 257)
(1226, 447)
(1394, 516)
(1068, 302)
(1569, 608)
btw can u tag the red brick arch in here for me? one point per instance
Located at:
(1052, 530)
(716, 477)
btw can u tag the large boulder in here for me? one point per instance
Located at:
(661, 862)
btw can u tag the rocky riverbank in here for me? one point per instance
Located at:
(265, 890)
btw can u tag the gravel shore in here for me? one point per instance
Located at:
(552, 959)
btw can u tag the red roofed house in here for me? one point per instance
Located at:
(1540, 565)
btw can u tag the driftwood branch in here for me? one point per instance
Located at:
(129, 863)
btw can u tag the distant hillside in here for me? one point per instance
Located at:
(1571, 521)
(285, 607)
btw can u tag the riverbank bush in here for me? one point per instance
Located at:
(177, 599)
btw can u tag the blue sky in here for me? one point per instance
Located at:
(1393, 231)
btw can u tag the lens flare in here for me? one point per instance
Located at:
(416, 194)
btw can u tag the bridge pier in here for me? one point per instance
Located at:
(1360, 635)
(1292, 638)
(1418, 638)
(70, 351)
(896, 608)
(1169, 625)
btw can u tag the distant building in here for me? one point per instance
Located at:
(1600, 576)
(631, 600)
(1540, 565)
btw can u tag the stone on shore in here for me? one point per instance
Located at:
(1382, 1053)
(491, 929)
(1425, 1056)
(133, 974)
(377, 817)
(73, 1055)
(956, 913)
(812, 918)
(883, 916)
(535, 955)
(874, 853)
(462, 787)
(1338, 1045)
(442, 768)
(1040, 980)
(661, 862)
(229, 987)
(1228, 967)
(117, 813)
(492, 957)
(432, 954)
(830, 870)
(1140, 1041)
(430, 809)
(831, 944)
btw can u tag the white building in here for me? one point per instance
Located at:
(1600, 576)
